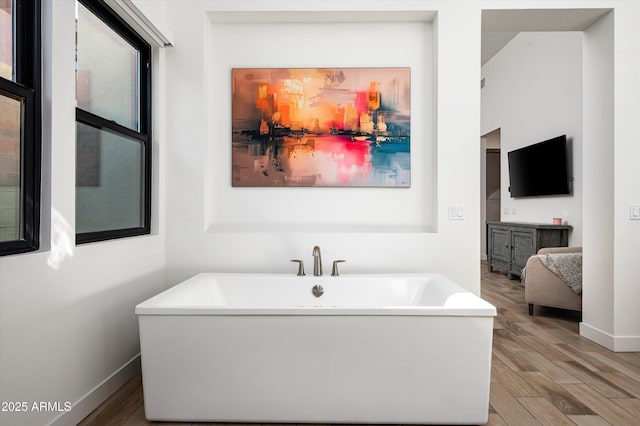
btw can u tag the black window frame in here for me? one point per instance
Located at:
(27, 86)
(103, 12)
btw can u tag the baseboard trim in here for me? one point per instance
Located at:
(609, 341)
(627, 344)
(92, 400)
(596, 335)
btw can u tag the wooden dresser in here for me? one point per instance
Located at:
(510, 244)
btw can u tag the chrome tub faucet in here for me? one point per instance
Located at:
(317, 262)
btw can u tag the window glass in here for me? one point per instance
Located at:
(107, 70)
(109, 181)
(20, 126)
(10, 161)
(113, 118)
(6, 39)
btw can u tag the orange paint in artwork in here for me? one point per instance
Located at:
(297, 102)
(285, 117)
(373, 96)
(262, 102)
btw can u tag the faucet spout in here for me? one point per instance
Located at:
(317, 262)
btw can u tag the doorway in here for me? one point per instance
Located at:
(490, 183)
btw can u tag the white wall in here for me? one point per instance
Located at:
(533, 92)
(68, 332)
(611, 269)
(306, 45)
(216, 227)
(599, 164)
(627, 183)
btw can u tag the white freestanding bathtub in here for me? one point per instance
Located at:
(263, 348)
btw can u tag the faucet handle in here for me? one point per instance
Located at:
(334, 270)
(300, 267)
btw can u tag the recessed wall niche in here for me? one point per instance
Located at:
(324, 40)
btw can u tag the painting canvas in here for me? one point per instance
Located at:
(321, 127)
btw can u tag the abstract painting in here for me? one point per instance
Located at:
(321, 127)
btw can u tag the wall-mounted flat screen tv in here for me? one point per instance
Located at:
(540, 169)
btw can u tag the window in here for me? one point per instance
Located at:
(20, 125)
(113, 126)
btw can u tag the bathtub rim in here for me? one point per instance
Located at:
(480, 308)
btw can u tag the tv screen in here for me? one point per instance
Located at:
(539, 169)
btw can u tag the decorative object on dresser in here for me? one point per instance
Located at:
(510, 244)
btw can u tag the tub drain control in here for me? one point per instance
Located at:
(317, 290)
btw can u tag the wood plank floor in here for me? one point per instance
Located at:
(543, 372)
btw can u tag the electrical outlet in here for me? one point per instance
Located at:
(634, 212)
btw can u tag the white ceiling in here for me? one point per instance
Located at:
(500, 26)
(493, 42)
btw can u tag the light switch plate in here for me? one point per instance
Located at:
(456, 212)
(634, 212)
